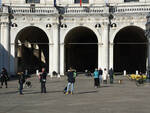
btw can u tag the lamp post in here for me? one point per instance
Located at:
(61, 11)
(110, 17)
(147, 34)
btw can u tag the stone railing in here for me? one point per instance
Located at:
(132, 9)
(76, 10)
(85, 10)
(4, 9)
(105, 9)
(33, 10)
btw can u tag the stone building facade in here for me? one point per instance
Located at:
(97, 33)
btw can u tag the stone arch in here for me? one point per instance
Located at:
(97, 33)
(81, 49)
(130, 49)
(31, 49)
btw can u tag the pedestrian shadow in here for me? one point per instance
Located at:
(12, 92)
(57, 91)
(30, 93)
(86, 92)
(38, 92)
(104, 86)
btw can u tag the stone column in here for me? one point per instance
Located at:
(5, 45)
(111, 56)
(62, 59)
(100, 55)
(12, 59)
(1, 52)
(50, 59)
(105, 55)
(55, 47)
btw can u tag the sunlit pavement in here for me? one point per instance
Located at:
(109, 98)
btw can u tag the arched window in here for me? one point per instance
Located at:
(131, 0)
(32, 1)
(83, 1)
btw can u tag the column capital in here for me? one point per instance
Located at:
(111, 44)
(62, 44)
(100, 44)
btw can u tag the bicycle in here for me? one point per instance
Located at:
(140, 80)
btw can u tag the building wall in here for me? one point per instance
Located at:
(50, 2)
(72, 17)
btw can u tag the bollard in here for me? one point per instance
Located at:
(58, 76)
(51, 75)
(124, 73)
(37, 72)
(137, 72)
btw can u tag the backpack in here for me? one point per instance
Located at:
(74, 74)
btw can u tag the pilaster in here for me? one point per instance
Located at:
(5, 45)
(1, 50)
(111, 56)
(55, 29)
(105, 55)
(62, 59)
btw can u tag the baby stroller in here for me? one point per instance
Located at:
(28, 84)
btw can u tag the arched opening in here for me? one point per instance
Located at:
(130, 50)
(81, 49)
(32, 49)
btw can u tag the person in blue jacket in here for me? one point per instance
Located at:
(96, 78)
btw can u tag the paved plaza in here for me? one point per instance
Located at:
(109, 98)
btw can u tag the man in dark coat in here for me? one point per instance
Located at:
(21, 82)
(4, 77)
(111, 73)
(43, 76)
(71, 81)
(100, 72)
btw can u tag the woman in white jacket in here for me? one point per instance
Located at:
(105, 76)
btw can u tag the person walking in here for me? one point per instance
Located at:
(111, 73)
(4, 77)
(71, 81)
(105, 76)
(100, 72)
(43, 76)
(21, 82)
(96, 78)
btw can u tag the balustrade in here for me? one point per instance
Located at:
(132, 9)
(119, 9)
(36, 10)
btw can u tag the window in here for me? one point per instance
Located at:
(32, 1)
(131, 0)
(83, 1)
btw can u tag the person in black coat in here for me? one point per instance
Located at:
(21, 82)
(71, 81)
(100, 72)
(111, 73)
(43, 76)
(4, 77)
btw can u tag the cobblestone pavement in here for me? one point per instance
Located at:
(109, 98)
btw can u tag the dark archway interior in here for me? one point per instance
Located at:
(130, 50)
(81, 49)
(33, 50)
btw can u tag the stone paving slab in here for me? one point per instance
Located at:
(109, 98)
